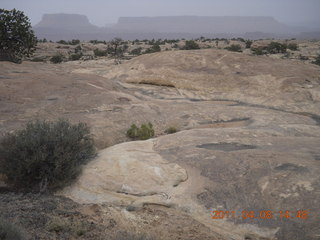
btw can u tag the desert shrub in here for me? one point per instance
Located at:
(258, 51)
(99, 53)
(276, 47)
(248, 43)
(171, 130)
(74, 42)
(97, 42)
(45, 155)
(62, 42)
(136, 51)
(153, 49)
(234, 48)
(75, 56)
(56, 59)
(293, 46)
(317, 60)
(8, 231)
(191, 45)
(143, 133)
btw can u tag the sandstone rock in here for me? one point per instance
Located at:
(125, 172)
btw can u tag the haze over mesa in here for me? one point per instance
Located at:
(101, 12)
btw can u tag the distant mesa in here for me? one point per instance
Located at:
(64, 23)
(75, 26)
(62, 20)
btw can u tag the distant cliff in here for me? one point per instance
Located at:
(75, 26)
(202, 25)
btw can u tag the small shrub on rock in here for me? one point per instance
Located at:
(45, 155)
(171, 130)
(143, 133)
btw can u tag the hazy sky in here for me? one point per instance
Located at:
(101, 12)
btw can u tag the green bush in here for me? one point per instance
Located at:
(99, 53)
(275, 47)
(234, 48)
(75, 56)
(45, 155)
(248, 43)
(136, 51)
(143, 133)
(62, 42)
(8, 231)
(190, 45)
(258, 51)
(56, 59)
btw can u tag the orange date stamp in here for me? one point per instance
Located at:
(263, 214)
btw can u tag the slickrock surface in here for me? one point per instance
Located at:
(249, 136)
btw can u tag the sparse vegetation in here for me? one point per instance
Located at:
(293, 46)
(117, 48)
(75, 56)
(100, 53)
(276, 47)
(191, 45)
(17, 39)
(143, 133)
(45, 155)
(258, 51)
(56, 59)
(136, 51)
(248, 43)
(234, 48)
(171, 130)
(153, 49)
(97, 42)
(72, 42)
